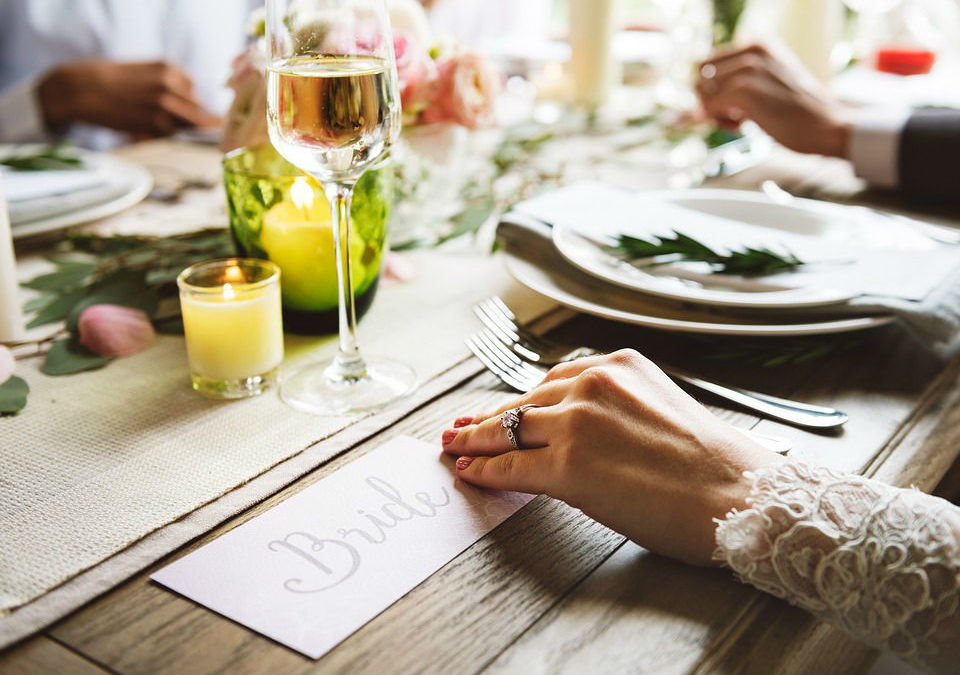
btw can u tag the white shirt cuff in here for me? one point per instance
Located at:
(875, 145)
(20, 116)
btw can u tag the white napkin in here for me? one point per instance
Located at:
(27, 185)
(34, 195)
(864, 257)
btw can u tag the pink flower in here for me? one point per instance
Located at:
(417, 74)
(112, 330)
(7, 364)
(246, 123)
(399, 269)
(467, 89)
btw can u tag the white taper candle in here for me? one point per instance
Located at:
(591, 39)
(11, 319)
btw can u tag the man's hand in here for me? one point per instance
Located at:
(785, 100)
(153, 99)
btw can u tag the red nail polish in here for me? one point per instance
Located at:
(448, 436)
(462, 422)
(463, 463)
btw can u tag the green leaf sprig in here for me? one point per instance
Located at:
(129, 271)
(747, 262)
(57, 157)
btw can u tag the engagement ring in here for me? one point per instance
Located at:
(511, 422)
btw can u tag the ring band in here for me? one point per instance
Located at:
(511, 422)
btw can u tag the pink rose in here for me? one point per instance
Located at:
(246, 123)
(7, 364)
(399, 269)
(417, 74)
(467, 89)
(112, 330)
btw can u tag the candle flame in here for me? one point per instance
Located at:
(301, 194)
(233, 274)
(228, 292)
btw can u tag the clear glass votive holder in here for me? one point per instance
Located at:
(233, 326)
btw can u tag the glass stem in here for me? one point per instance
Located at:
(348, 364)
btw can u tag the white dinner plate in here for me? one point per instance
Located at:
(123, 183)
(572, 288)
(836, 240)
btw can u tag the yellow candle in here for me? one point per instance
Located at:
(233, 326)
(297, 235)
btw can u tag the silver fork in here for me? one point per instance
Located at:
(502, 323)
(523, 376)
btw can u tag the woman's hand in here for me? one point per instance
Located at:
(779, 95)
(153, 99)
(618, 439)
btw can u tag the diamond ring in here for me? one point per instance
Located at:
(511, 422)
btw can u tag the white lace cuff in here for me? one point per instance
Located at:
(880, 562)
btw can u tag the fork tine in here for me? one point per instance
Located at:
(517, 365)
(520, 377)
(494, 367)
(507, 336)
(505, 319)
(502, 306)
(498, 309)
(505, 333)
(509, 354)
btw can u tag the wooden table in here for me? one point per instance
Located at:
(551, 590)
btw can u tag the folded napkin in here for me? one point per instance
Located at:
(36, 195)
(27, 185)
(891, 267)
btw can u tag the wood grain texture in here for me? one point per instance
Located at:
(43, 656)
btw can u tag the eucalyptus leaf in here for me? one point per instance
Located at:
(57, 309)
(127, 288)
(69, 274)
(67, 358)
(469, 220)
(39, 302)
(13, 395)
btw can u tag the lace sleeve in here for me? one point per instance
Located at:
(880, 562)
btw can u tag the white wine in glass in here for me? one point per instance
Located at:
(333, 110)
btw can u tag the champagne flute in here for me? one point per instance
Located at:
(333, 110)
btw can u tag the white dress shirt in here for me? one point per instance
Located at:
(200, 36)
(875, 144)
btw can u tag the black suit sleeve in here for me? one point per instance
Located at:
(930, 155)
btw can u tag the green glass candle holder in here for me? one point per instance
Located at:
(280, 214)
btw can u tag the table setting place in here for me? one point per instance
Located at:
(364, 260)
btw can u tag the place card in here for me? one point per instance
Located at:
(316, 568)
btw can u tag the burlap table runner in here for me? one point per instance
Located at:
(99, 461)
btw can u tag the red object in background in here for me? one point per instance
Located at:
(907, 61)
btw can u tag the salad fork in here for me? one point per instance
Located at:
(522, 376)
(532, 350)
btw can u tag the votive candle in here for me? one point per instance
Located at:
(233, 326)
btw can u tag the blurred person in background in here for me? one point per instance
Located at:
(915, 151)
(102, 72)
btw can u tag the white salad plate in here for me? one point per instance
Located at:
(548, 274)
(842, 247)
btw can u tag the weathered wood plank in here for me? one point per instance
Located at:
(43, 656)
